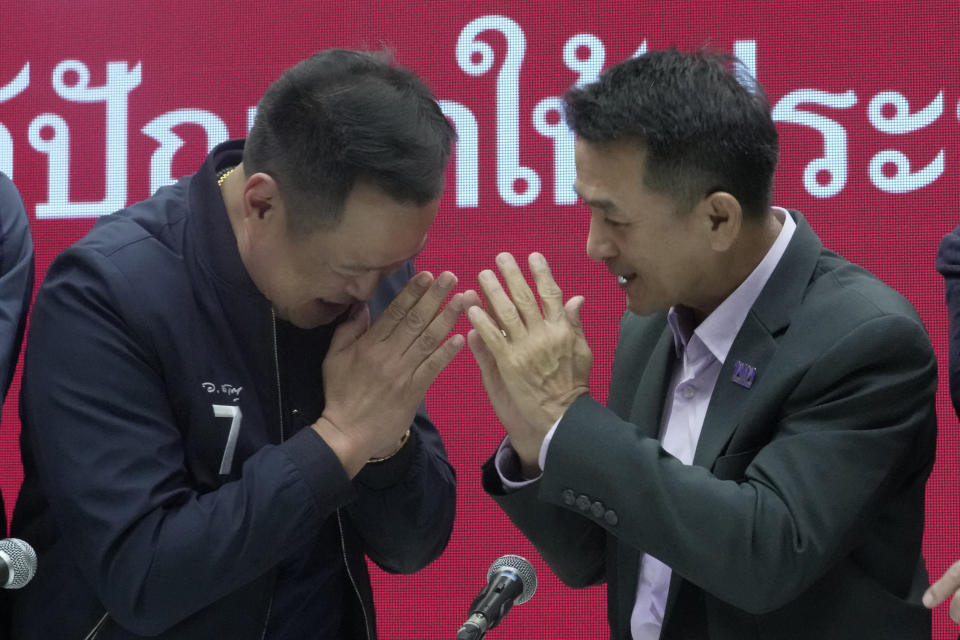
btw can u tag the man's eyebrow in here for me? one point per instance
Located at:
(598, 203)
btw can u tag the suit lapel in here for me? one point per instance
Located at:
(755, 345)
(647, 409)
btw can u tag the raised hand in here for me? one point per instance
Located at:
(375, 376)
(535, 362)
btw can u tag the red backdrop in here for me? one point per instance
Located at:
(101, 102)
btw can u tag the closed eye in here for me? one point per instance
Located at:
(614, 223)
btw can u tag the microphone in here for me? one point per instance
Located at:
(510, 578)
(18, 563)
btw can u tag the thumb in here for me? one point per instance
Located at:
(350, 330)
(940, 590)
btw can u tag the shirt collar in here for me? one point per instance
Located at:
(719, 329)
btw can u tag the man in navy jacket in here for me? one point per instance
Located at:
(223, 399)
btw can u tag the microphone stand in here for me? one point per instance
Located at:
(473, 628)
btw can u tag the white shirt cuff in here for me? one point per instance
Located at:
(507, 462)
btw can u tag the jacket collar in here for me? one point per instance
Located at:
(784, 291)
(209, 230)
(756, 342)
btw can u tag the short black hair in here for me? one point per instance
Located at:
(702, 120)
(341, 117)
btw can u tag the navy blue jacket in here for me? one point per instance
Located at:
(147, 336)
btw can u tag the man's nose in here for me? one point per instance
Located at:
(362, 287)
(599, 245)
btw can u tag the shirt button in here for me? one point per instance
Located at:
(568, 498)
(597, 509)
(611, 518)
(583, 502)
(688, 392)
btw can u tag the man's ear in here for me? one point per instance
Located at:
(261, 195)
(722, 217)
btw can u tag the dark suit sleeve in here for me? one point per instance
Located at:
(16, 288)
(851, 433)
(573, 546)
(16, 278)
(948, 264)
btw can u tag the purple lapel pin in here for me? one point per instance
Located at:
(744, 374)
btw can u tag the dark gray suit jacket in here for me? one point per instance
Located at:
(802, 513)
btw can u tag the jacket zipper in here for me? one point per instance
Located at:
(343, 543)
(353, 583)
(276, 369)
(96, 628)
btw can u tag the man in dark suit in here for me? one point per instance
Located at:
(948, 264)
(759, 469)
(16, 289)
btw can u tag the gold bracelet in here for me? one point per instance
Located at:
(403, 441)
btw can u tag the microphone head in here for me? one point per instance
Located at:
(21, 562)
(524, 570)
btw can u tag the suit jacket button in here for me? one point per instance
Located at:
(583, 502)
(597, 509)
(568, 498)
(610, 517)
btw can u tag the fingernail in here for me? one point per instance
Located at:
(447, 280)
(928, 600)
(423, 278)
